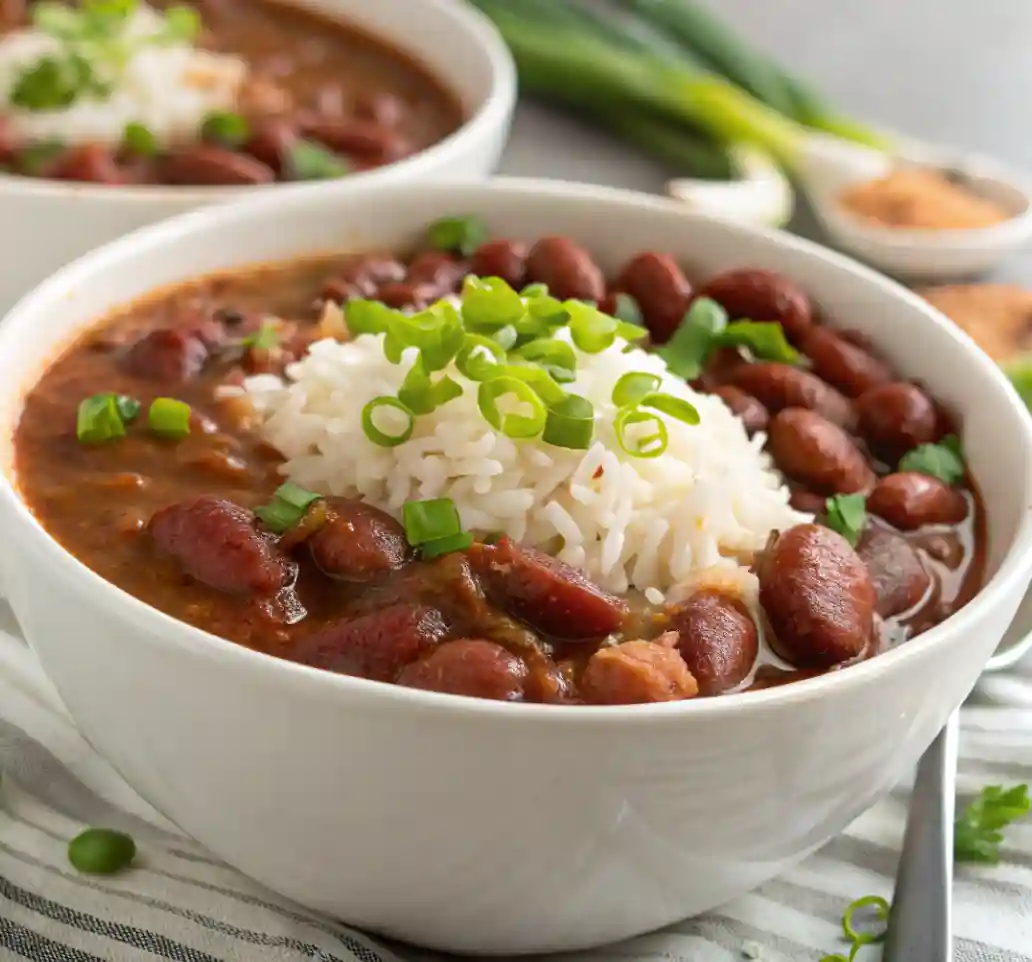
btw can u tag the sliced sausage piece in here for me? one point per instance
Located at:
(717, 639)
(661, 290)
(567, 269)
(895, 417)
(636, 673)
(471, 667)
(846, 366)
(900, 579)
(358, 542)
(757, 295)
(778, 386)
(818, 597)
(753, 414)
(216, 542)
(377, 645)
(908, 500)
(545, 593)
(166, 355)
(817, 453)
(502, 258)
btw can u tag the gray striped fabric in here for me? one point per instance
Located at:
(181, 904)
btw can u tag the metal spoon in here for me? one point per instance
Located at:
(921, 924)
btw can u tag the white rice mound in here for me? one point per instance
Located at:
(709, 502)
(169, 89)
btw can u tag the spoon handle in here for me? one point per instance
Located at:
(920, 925)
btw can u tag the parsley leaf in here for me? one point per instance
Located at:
(847, 515)
(976, 833)
(944, 460)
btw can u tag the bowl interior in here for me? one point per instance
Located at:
(921, 344)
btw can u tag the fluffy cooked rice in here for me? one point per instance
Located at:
(169, 88)
(708, 503)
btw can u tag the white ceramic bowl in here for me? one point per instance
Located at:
(45, 224)
(482, 826)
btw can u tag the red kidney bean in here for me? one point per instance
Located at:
(909, 500)
(471, 667)
(358, 542)
(167, 355)
(759, 295)
(661, 290)
(216, 542)
(89, 163)
(567, 269)
(377, 645)
(381, 108)
(502, 258)
(545, 593)
(438, 270)
(895, 417)
(817, 453)
(753, 414)
(717, 639)
(778, 386)
(900, 579)
(843, 365)
(818, 597)
(362, 276)
(808, 502)
(270, 142)
(360, 139)
(208, 166)
(636, 673)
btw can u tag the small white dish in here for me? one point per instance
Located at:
(44, 224)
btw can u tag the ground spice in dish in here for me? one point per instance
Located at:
(997, 316)
(918, 197)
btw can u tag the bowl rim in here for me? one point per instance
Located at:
(494, 105)
(168, 632)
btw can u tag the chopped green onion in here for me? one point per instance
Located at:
(765, 340)
(630, 332)
(368, 317)
(138, 139)
(440, 546)
(943, 460)
(685, 353)
(674, 407)
(436, 333)
(545, 312)
(264, 339)
(633, 443)
(307, 160)
(627, 310)
(488, 303)
(460, 234)
(225, 128)
(54, 82)
(633, 386)
(169, 418)
(881, 911)
(570, 423)
(535, 290)
(506, 337)
(512, 425)
(35, 159)
(101, 851)
(387, 438)
(99, 419)
(288, 506)
(128, 407)
(182, 23)
(549, 353)
(537, 378)
(479, 357)
(847, 514)
(591, 330)
(430, 520)
(421, 395)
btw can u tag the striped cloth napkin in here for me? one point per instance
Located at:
(182, 904)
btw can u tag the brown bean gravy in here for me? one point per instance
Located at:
(311, 80)
(170, 521)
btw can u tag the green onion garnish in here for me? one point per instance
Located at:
(367, 317)
(674, 407)
(169, 418)
(636, 442)
(570, 423)
(139, 140)
(627, 310)
(225, 128)
(537, 378)
(421, 395)
(387, 436)
(35, 159)
(183, 24)
(528, 424)
(287, 507)
(633, 386)
(264, 339)
(686, 352)
(534, 290)
(591, 330)
(99, 418)
(847, 514)
(944, 460)
(506, 337)
(55, 82)
(765, 340)
(479, 357)
(440, 546)
(462, 235)
(556, 357)
(488, 304)
(128, 408)
(436, 332)
(430, 520)
(306, 160)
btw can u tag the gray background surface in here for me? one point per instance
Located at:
(956, 72)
